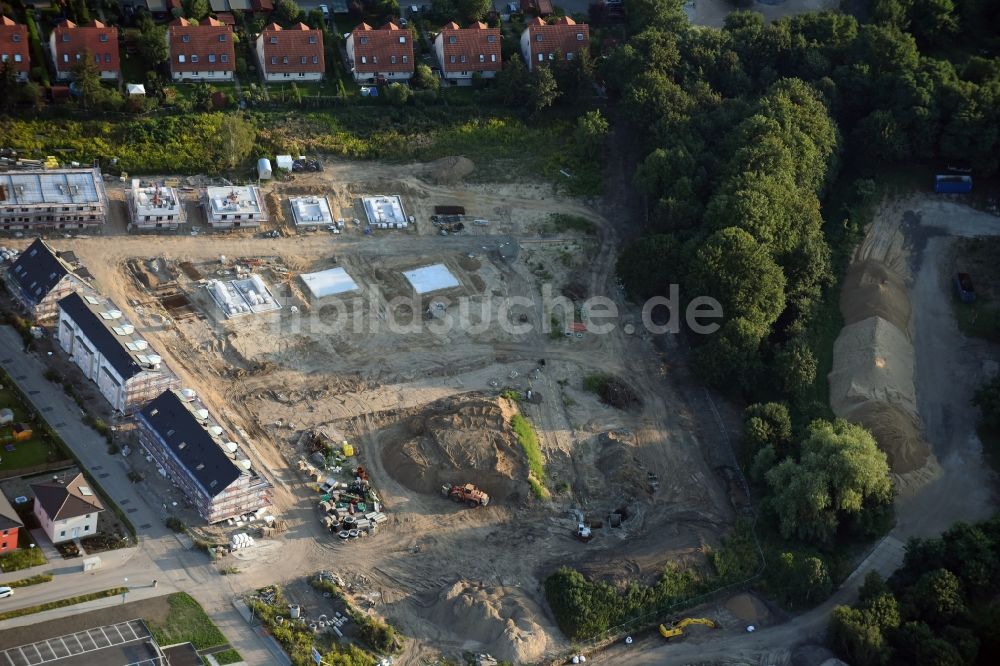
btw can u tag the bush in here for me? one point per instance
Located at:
(62, 603)
(175, 524)
(34, 580)
(24, 558)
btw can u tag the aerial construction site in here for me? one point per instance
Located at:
(420, 340)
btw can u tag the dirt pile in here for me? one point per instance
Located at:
(503, 621)
(872, 384)
(274, 207)
(457, 440)
(870, 289)
(449, 170)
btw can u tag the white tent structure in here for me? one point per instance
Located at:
(431, 278)
(329, 282)
(135, 89)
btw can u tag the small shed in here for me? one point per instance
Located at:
(285, 162)
(264, 169)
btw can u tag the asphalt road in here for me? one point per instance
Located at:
(160, 555)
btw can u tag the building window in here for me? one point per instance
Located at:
(180, 59)
(392, 59)
(364, 60)
(569, 55)
(463, 58)
(65, 57)
(65, 38)
(17, 38)
(303, 60)
(402, 40)
(107, 57)
(284, 60)
(541, 57)
(364, 40)
(186, 38)
(579, 36)
(315, 60)
(222, 38)
(274, 40)
(17, 57)
(194, 58)
(6, 532)
(452, 39)
(312, 39)
(97, 59)
(538, 38)
(406, 58)
(225, 57)
(453, 60)
(493, 57)
(63, 533)
(274, 60)
(87, 516)
(86, 528)
(491, 38)
(4, 546)
(211, 57)
(104, 39)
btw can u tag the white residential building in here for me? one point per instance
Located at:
(154, 207)
(66, 510)
(234, 207)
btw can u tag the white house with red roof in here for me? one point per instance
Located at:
(70, 42)
(541, 41)
(461, 52)
(385, 54)
(14, 48)
(201, 52)
(295, 54)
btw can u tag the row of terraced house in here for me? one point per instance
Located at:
(206, 51)
(187, 442)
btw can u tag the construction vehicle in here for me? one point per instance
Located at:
(468, 494)
(677, 628)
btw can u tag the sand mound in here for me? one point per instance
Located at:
(872, 360)
(449, 170)
(746, 608)
(501, 620)
(897, 433)
(457, 440)
(274, 207)
(870, 289)
(872, 384)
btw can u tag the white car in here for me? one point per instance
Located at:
(6, 592)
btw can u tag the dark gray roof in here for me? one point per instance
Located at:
(176, 424)
(37, 270)
(61, 499)
(8, 517)
(108, 344)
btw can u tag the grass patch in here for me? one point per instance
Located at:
(23, 558)
(187, 622)
(34, 580)
(596, 383)
(229, 656)
(62, 603)
(528, 439)
(562, 222)
(979, 319)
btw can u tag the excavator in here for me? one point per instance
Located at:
(677, 628)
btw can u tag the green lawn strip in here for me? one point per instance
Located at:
(33, 580)
(187, 622)
(62, 603)
(229, 656)
(528, 439)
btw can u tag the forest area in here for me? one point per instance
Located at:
(763, 149)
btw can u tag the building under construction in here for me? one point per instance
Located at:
(53, 199)
(234, 207)
(212, 471)
(153, 207)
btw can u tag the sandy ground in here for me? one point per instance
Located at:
(274, 376)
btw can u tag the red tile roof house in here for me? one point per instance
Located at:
(69, 42)
(541, 41)
(202, 52)
(295, 54)
(462, 52)
(386, 53)
(14, 47)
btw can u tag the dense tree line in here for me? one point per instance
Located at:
(939, 609)
(741, 132)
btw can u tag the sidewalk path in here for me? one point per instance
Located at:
(161, 554)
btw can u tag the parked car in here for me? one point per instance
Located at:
(6, 592)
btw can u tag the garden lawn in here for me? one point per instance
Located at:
(187, 622)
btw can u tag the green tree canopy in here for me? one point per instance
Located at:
(235, 140)
(840, 473)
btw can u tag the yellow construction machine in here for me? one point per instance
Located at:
(677, 628)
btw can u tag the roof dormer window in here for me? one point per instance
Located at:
(185, 38)
(364, 40)
(402, 40)
(538, 38)
(491, 38)
(274, 40)
(452, 39)
(312, 39)
(579, 36)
